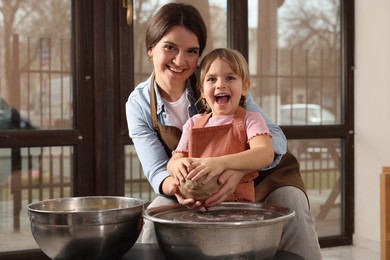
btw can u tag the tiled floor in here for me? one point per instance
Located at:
(349, 253)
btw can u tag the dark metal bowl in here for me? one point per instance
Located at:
(233, 230)
(95, 227)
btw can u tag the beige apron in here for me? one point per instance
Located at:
(222, 140)
(285, 174)
(168, 135)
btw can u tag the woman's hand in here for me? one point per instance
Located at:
(189, 203)
(200, 167)
(229, 180)
(171, 188)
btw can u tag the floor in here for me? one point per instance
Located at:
(349, 253)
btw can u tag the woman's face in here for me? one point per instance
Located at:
(222, 88)
(175, 58)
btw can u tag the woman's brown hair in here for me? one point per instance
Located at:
(176, 14)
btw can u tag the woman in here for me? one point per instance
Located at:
(157, 109)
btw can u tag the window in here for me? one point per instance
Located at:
(299, 63)
(74, 73)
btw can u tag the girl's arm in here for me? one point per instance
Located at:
(260, 155)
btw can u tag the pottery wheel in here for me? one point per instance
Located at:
(226, 215)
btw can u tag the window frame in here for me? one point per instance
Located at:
(101, 45)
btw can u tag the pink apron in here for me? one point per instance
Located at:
(221, 140)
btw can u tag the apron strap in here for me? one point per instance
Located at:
(202, 120)
(240, 114)
(153, 109)
(168, 135)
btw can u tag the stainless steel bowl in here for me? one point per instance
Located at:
(233, 230)
(95, 227)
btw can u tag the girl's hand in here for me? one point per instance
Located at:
(229, 180)
(179, 168)
(205, 166)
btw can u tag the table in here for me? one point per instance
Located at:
(153, 252)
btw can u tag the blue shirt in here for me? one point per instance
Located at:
(150, 150)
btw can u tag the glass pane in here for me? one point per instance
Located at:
(136, 184)
(28, 175)
(143, 10)
(35, 65)
(320, 163)
(294, 58)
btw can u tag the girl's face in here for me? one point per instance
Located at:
(222, 88)
(175, 58)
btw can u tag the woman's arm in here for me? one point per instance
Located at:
(149, 148)
(279, 140)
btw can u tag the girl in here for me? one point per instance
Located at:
(221, 137)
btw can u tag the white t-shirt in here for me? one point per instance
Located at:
(178, 111)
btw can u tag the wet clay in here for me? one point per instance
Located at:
(197, 190)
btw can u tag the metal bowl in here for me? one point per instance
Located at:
(94, 227)
(233, 230)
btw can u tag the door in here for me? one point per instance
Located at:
(54, 115)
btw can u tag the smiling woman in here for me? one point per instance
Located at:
(135, 180)
(151, 124)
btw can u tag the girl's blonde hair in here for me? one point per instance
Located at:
(236, 61)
